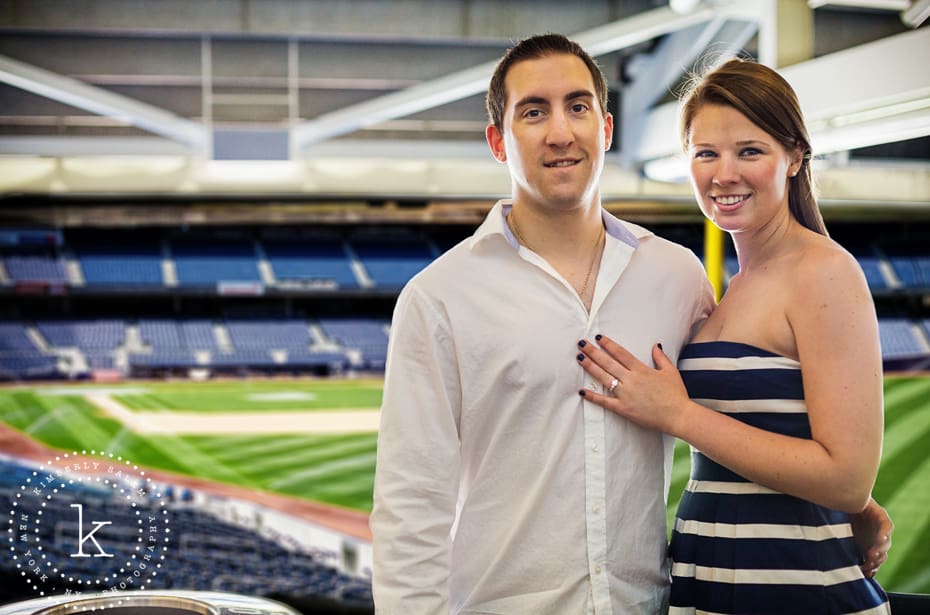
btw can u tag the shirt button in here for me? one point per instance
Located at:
(594, 447)
(597, 570)
(595, 509)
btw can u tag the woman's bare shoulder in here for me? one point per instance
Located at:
(827, 279)
(823, 260)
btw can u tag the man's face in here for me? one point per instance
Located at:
(554, 133)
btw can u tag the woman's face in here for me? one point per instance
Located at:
(739, 172)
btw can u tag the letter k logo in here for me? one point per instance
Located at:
(82, 538)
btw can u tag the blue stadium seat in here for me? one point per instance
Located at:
(922, 265)
(899, 339)
(20, 358)
(391, 264)
(268, 333)
(905, 267)
(27, 365)
(209, 263)
(13, 336)
(99, 334)
(197, 334)
(206, 553)
(139, 264)
(160, 333)
(328, 360)
(871, 267)
(870, 260)
(164, 358)
(323, 262)
(244, 358)
(35, 268)
(363, 336)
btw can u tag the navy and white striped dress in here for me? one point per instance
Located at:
(738, 547)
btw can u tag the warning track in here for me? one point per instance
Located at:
(231, 423)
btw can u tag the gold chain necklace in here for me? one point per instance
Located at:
(516, 231)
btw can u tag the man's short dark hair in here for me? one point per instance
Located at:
(532, 48)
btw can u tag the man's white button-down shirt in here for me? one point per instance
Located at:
(498, 489)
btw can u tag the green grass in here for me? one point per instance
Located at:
(339, 468)
(903, 484)
(255, 395)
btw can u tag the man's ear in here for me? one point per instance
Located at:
(496, 142)
(608, 131)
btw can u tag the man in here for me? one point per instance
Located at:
(498, 489)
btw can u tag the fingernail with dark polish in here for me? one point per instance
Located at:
(660, 345)
(580, 357)
(598, 337)
(582, 343)
(581, 392)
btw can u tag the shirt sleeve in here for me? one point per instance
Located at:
(704, 305)
(417, 472)
(703, 299)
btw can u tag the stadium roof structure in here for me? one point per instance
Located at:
(371, 99)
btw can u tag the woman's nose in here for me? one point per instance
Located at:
(725, 171)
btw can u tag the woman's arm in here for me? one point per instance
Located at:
(837, 339)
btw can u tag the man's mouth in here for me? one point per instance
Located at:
(556, 164)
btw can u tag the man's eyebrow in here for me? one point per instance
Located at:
(533, 99)
(579, 94)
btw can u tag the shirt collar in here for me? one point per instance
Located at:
(495, 224)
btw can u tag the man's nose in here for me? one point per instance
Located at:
(560, 130)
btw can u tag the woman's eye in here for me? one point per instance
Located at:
(751, 151)
(704, 153)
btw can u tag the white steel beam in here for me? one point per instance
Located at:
(597, 41)
(870, 94)
(675, 55)
(103, 102)
(73, 146)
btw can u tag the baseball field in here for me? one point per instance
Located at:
(315, 439)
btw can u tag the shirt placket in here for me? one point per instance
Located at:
(613, 263)
(596, 502)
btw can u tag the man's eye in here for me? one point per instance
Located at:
(579, 108)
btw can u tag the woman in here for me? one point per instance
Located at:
(784, 378)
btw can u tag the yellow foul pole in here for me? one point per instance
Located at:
(713, 256)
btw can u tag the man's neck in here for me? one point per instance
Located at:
(567, 243)
(554, 234)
